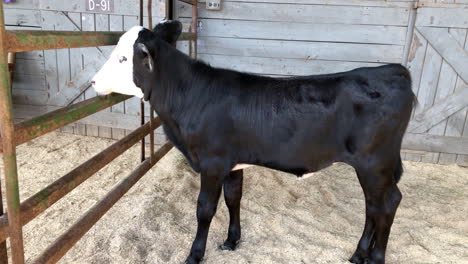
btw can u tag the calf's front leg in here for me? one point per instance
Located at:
(210, 190)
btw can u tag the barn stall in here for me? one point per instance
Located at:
(310, 221)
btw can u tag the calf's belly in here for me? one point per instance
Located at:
(244, 166)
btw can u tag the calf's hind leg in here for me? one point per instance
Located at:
(382, 199)
(232, 187)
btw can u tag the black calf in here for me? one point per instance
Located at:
(220, 118)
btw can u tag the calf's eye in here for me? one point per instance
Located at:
(122, 59)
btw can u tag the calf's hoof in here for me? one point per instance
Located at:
(229, 245)
(376, 257)
(357, 259)
(191, 260)
(360, 256)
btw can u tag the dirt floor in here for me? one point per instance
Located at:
(284, 220)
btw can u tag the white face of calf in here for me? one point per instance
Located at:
(117, 73)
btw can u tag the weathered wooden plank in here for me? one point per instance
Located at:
(414, 156)
(281, 66)
(439, 112)
(428, 88)
(316, 14)
(30, 67)
(429, 80)
(454, 124)
(463, 131)
(121, 7)
(299, 31)
(434, 143)
(31, 97)
(23, 4)
(416, 57)
(70, 129)
(443, 17)
(448, 47)
(29, 82)
(31, 55)
(23, 17)
(445, 87)
(50, 57)
(76, 56)
(88, 24)
(439, 4)
(63, 68)
(300, 50)
(76, 66)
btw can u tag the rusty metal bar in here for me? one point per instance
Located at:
(151, 121)
(63, 243)
(142, 103)
(9, 151)
(45, 198)
(190, 2)
(3, 244)
(38, 126)
(150, 14)
(29, 40)
(195, 27)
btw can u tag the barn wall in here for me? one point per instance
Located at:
(299, 37)
(276, 38)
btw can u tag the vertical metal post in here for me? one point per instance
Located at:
(9, 152)
(150, 26)
(150, 14)
(410, 32)
(195, 27)
(3, 246)
(142, 104)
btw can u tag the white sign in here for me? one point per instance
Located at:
(101, 6)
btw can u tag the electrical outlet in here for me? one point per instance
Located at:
(213, 4)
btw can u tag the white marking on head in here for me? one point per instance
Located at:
(116, 75)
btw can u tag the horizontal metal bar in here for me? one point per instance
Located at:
(29, 40)
(190, 2)
(38, 126)
(45, 198)
(63, 243)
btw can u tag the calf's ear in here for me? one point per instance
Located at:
(169, 31)
(147, 60)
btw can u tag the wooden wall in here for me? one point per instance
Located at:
(276, 38)
(299, 37)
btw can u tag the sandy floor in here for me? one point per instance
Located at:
(284, 220)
